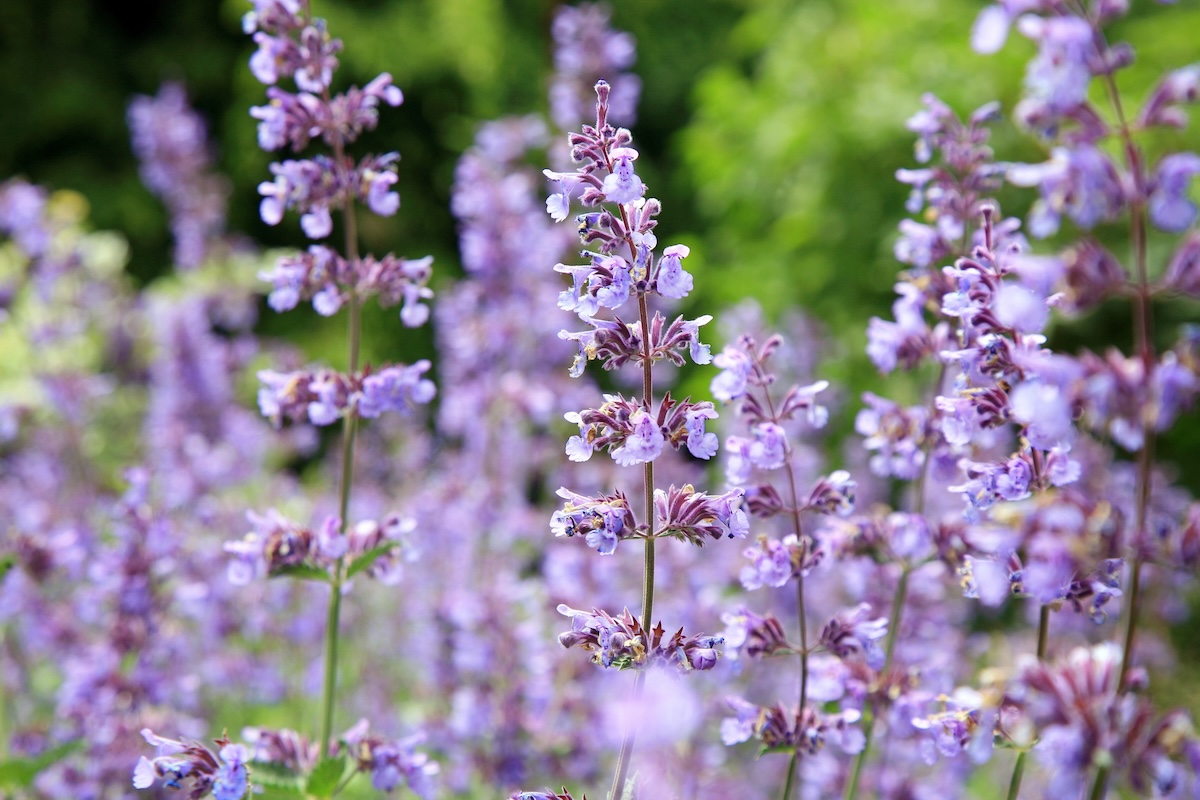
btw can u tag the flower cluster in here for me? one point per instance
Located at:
(622, 642)
(278, 546)
(180, 763)
(623, 269)
(323, 396)
(294, 46)
(321, 275)
(170, 141)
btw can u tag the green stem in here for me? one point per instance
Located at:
(791, 774)
(898, 600)
(801, 612)
(1014, 785)
(349, 428)
(627, 741)
(1100, 787)
(1043, 632)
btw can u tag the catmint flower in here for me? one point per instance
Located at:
(695, 516)
(644, 442)
(754, 636)
(853, 633)
(1176, 88)
(773, 562)
(621, 642)
(1080, 182)
(1020, 309)
(770, 447)
(586, 47)
(1082, 716)
(834, 494)
(393, 763)
(558, 203)
(395, 389)
(907, 340)
(170, 142)
(700, 443)
(1057, 79)
(805, 730)
(989, 483)
(622, 185)
(1183, 272)
(1045, 412)
(895, 436)
(731, 382)
(180, 761)
(602, 521)
(672, 280)
(1170, 208)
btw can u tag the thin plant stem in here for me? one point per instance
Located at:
(901, 595)
(801, 612)
(1014, 785)
(898, 600)
(1143, 327)
(1100, 787)
(349, 428)
(627, 741)
(1043, 632)
(791, 774)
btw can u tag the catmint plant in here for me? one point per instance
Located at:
(172, 147)
(1030, 432)
(852, 635)
(619, 223)
(292, 45)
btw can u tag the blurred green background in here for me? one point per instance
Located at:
(770, 129)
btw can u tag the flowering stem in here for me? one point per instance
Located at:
(1144, 345)
(791, 774)
(797, 529)
(1014, 785)
(898, 600)
(349, 428)
(618, 785)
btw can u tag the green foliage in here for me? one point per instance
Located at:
(325, 777)
(19, 773)
(277, 778)
(370, 557)
(302, 571)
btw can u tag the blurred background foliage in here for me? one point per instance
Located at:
(770, 129)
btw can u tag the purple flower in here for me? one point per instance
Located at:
(700, 443)
(623, 185)
(644, 443)
(771, 564)
(736, 367)
(673, 280)
(1046, 412)
(1170, 208)
(854, 633)
(1080, 182)
(396, 389)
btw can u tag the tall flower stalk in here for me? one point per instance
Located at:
(635, 431)
(293, 45)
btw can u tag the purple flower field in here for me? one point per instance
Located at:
(584, 538)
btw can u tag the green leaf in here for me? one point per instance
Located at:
(303, 571)
(276, 777)
(20, 772)
(370, 557)
(326, 776)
